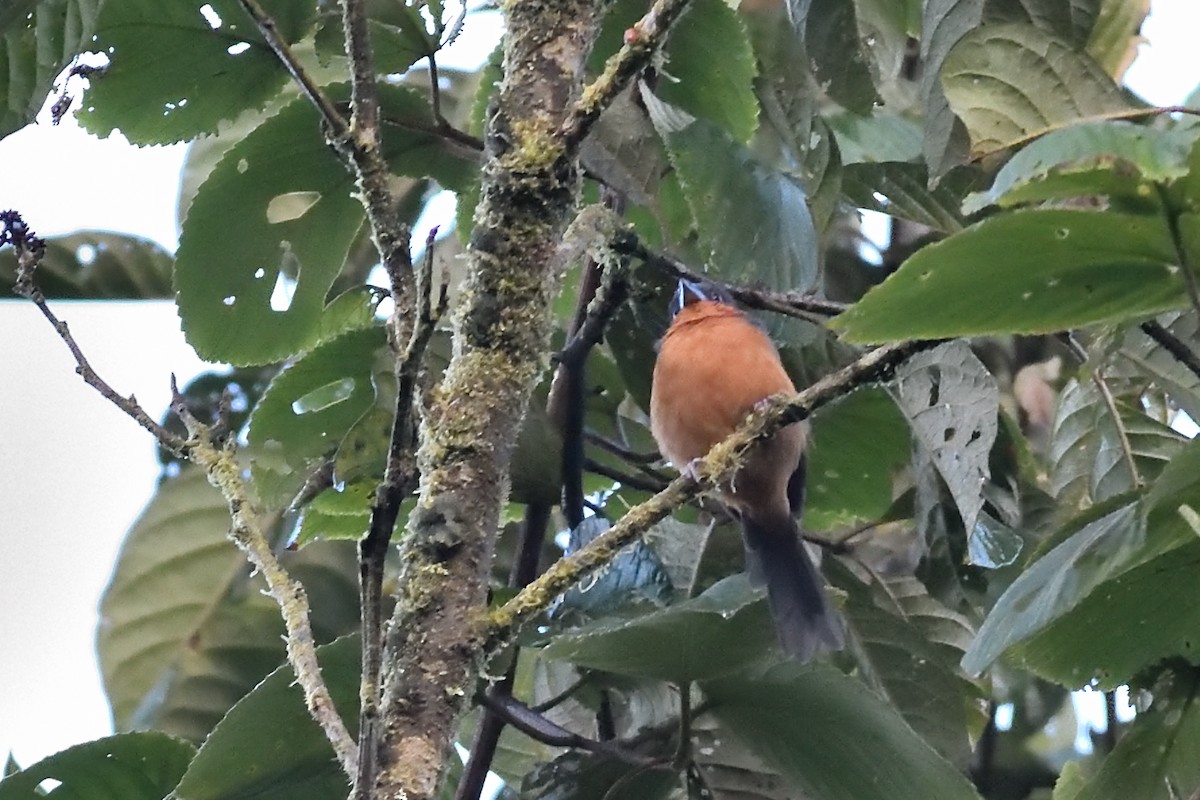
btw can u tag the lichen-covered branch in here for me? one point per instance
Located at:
(642, 43)
(220, 464)
(716, 467)
(529, 190)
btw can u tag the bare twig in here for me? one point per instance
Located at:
(642, 41)
(248, 533)
(334, 123)
(792, 304)
(218, 459)
(1173, 345)
(720, 462)
(399, 481)
(643, 482)
(638, 459)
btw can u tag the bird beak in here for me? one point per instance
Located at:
(685, 292)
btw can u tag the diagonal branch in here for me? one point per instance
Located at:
(716, 467)
(1173, 345)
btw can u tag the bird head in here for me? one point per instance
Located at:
(689, 291)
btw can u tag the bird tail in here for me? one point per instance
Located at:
(805, 623)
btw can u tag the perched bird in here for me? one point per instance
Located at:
(714, 366)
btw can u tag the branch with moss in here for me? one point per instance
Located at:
(213, 451)
(715, 468)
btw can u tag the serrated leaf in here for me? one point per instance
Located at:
(395, 45)
(128, 766)
(269, 747)
(952, 401)
(1137, 620)
(1089, 159)
(715, 633)
(1140, 359)
(1074, 268)
(185, 632)
(858, 443)
(831, 737)
(37, 40)
(754, 220)
(1009, 82)
(279, 203)
(902, 190)
(98, 266)
(177, 68)
(1155, 758)
(1088, 463)
(308, 409)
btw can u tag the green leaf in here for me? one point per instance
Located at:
(1104, 544)
(1089, 159)
(858, 444)
(1074, 268)
(1009, 82)
(340, 512)
(38, 39)
(898, 628)
(1139, 360)
(1155, 758)
(713, 634)
(395, 45)
(1137, 620)
(308, 409)
(952, 401)
(831, 737)
(878, 137)
(718, 89)
(754, 220)
(185, 632)
(634, 575)
(129, 766)
(175, 72)
(1115, 36)
(943, 23)
(577, 775)
(269, 747)
(831, 43)
(97, 266)
(280, 204)
(1087, 458)
(902, 190)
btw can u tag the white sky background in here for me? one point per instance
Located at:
(75, 472)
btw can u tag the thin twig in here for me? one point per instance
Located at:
(808, 307)
(608, 445)
(566, 694)
(721, 461)
(335, 124)
(1173, 345)
(645, 484)
(642, 42)
(399, 481)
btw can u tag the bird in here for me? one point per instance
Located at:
(714, 367)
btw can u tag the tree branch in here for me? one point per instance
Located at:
(716, 467)
(218, 460)
(792, 304)
(1173, 345)
(642, 41)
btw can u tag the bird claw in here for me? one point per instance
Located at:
(692, 469)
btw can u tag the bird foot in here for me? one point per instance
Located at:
(692, 469)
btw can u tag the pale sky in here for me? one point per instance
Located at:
(74, 472)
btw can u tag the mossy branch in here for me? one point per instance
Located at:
(716, 467)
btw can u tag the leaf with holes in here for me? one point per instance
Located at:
(1088, 462)
(98, 266)
(1010, 82)
(280, 203)
(184, 631)
(1074, 268)
(754, 220)
(952, 401)
(129, 766)
(38, 39)
(177, 68)
(308, 409)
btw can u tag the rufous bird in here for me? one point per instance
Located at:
(714, 367)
